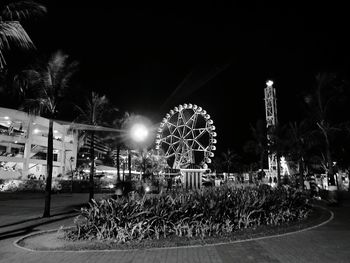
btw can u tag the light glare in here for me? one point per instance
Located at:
(139, 132)
(269, 83)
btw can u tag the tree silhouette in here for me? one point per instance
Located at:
(43, 90)
(93, 114)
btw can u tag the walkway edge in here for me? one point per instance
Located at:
(16, 242)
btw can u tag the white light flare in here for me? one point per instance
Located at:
(139, 132)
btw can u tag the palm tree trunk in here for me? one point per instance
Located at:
(129, 165)
(92, 167)
(143, 168)
(301, 173)
(118, 163)
(278, 157)
(49, 170)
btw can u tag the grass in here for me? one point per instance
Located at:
(57, 241)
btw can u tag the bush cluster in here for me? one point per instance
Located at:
(210, 212)
(16, 185)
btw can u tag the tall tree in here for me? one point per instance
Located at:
(299, 143)
(11, 31)
(228, 159)
(258, 146)
(116, 140)
(93, 114)
(43, 90)
(324, 97)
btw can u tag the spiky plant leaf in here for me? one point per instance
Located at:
(22, 10)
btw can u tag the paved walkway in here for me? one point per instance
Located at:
(20, 213)
(328, 243)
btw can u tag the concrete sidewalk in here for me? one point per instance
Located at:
(20, 213)
(328, 243)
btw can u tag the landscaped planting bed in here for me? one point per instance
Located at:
(213, 212)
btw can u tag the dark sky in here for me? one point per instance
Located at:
(138, 56)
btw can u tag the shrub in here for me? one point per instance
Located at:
(213, 211)
(15, 185)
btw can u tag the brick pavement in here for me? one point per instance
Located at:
(328, 243)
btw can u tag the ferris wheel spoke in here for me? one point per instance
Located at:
(170, 155)
(177, 137)
(201, 132)
(191, 119)
(194, 120)
(184, 128)
(169, 124)
(167, 153)
(179, 119)
(188, 133)
(168, 143)
(201, 147)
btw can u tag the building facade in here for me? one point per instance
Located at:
(23, 146)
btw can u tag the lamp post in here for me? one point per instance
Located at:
(71, 160)
(139, 135)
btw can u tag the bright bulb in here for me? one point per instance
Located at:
(139, 132)
(269, 83)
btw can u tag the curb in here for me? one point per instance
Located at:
(16, 242)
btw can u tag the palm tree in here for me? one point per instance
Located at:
(11, 31)
(93, 114)
(258, 145)
(43, 90)
(299, 142)
(116, 140)
(228, 159)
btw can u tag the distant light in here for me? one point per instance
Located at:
(35, 131)
(6, 117)
(147, 189)
(269, 83)
(55, 131)
(111, 186)
(139, 132)
(16, 141)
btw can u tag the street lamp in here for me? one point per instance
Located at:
(71, 160)
(139, 132)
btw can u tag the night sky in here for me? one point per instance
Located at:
(138, 56)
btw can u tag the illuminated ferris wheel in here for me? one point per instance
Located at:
(187, 136)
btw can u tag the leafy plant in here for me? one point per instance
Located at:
(205, 213)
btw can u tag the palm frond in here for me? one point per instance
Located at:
(13, 33)
(22, 10)
(43, 87)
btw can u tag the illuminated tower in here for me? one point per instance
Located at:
(271, 121)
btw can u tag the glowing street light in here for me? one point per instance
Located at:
(269, 83)
(139, 132)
